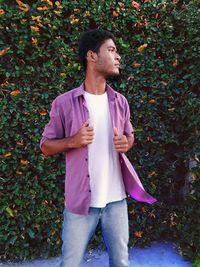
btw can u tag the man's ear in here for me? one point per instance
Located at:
(91, 56)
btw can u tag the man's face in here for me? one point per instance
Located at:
(108, 60)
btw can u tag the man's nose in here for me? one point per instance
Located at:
(118, 57)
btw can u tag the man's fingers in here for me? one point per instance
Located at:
(121, 148)
(90, 129)
(120, 145)
(88, 140)
(115, 131)
(86, 123)
(117, 143)
(88, 136)
(119, 139)
(89, 133)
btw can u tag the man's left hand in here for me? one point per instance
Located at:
(120, 142)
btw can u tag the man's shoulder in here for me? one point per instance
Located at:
(67, 96)
(120, 97)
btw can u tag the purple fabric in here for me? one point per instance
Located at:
(67, 115)
(132, 183)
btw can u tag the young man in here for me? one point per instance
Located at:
(91, 125)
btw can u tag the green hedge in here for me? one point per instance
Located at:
(159, 44)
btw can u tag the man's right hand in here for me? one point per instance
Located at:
(84, 136)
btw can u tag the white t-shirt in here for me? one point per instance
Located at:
(104, 168)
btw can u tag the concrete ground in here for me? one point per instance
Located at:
(158, 255)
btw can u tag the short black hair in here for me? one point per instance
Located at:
(92, 40)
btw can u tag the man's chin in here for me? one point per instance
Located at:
(113, 74)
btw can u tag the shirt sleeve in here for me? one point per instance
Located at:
(128, 128)
(54, 129)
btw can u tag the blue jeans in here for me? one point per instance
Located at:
(78, 230)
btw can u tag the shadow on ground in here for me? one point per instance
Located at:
(158, 255)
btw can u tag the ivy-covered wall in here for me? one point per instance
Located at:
(159, 44)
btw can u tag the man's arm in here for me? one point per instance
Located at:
(55, 146)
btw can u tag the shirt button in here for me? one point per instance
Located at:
(90, 191)
(88, 175)
(86, 159)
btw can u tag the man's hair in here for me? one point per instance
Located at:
(92, 40)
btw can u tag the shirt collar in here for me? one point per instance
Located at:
(111, 93)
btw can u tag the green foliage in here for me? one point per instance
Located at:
(159, 44)
(196, 263)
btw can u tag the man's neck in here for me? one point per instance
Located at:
(95, 85)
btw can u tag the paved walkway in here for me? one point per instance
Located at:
(158, 255)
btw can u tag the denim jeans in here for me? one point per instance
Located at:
(78, 230)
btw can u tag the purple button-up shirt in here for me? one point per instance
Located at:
(67, 115)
